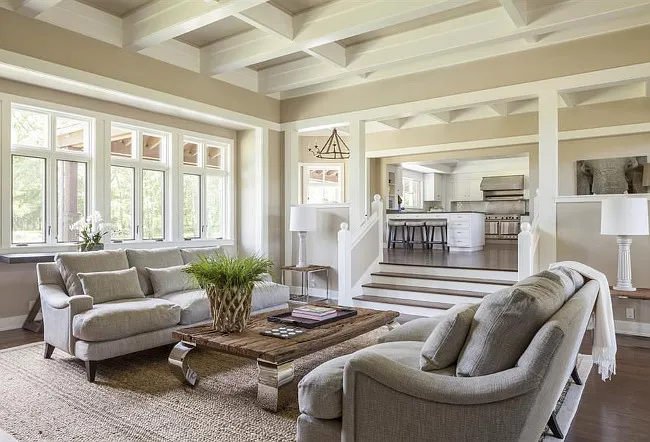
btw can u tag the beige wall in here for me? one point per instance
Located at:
(276, 200)
(246, 192)
(18, 286)
(586, 55)
(47, 42)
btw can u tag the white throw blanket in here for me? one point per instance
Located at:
(604, 346)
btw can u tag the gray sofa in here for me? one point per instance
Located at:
(96, 331)
(380, 393)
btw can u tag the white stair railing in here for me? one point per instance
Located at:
(359, 253)
(527, 241)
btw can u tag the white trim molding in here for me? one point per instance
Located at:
(632, 328)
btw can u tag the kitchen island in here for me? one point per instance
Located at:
(465, 230)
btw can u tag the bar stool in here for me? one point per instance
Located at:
(431, 233)
(393, 227)
(411, 228)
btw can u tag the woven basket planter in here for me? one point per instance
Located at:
(230, 308)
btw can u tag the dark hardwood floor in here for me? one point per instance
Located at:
(613, 411)
(492, 257)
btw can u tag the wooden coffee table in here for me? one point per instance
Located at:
(274, 356)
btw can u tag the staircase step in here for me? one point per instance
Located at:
(445, 278)
(433, 291)
(404, 302)
(451, 272)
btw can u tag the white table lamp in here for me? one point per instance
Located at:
(624, 217)
(302, 220)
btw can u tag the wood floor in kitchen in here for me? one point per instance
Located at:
(492, 257)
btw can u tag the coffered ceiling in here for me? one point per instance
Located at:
(288, 48)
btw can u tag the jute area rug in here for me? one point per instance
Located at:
(136, 397)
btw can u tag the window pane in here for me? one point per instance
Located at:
(122, 188)
(121, 142)
(71, 134)
(71, 198)
(191, 206)
(332, 176)
(190, 154)
(316, 175)
(152, 147)
(214, 157)
(153, 204)
(29, 128)
(28, 200)
(214, 206)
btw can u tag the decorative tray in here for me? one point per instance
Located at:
(286, 318)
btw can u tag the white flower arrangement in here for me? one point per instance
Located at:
(91, 230)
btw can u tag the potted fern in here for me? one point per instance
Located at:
(229, 283)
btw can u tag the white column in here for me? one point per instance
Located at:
(5, 172)
(357, 176)
(548, 173)
(291, 181)
(262, 189)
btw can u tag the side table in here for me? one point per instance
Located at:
(304, 278)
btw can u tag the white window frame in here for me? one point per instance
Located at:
(420, 196)
(138, 164)
(304, 184)
(202, 170)
(52, 156)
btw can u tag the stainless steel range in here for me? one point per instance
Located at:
(502, 226)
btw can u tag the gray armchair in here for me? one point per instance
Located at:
(380, 394)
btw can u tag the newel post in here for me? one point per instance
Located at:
(525, 256)
(345, 265)
(378, 208)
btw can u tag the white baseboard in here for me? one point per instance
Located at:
(319, 293)
(14, 322)
(633, 328)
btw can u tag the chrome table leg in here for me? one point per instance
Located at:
(274, 384)
(178, 363)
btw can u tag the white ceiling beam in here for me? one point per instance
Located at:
(479, 33)
(329, 23)
(568, 99)
(442, 117)
(332, 53)
(177, 53)
(162, 20)
(517, 10)
(395, 123)
(34, 8)
(269, 18)
(647, 88)
(500, 109)
(246, 78)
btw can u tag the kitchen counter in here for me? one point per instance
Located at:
(465, 230)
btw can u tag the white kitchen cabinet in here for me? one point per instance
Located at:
(475, 193)
(433, 187)
(466, 190)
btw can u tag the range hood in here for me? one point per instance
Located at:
(509, 182)
(503, 188)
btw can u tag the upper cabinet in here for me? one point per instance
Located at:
(433, 187)
(465, 189)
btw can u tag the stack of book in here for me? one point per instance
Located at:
(313, 312)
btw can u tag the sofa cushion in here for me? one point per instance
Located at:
(442, 347)
(191, 255)
(70, 264)
(120, 319)
(111, 286)
(571, 280)
(155, 259)
(171, 280)
(269, 294)
(505, 323)
(320, 392)
(194, 304)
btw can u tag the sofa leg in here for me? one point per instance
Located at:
(554, 427)
(49, 349)
(575, 376)
(91, 369)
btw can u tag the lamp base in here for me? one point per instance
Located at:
(624, 281)
(302, 250)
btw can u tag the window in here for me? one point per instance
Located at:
(139, 170)
(50, 152)
(205, 178)
(412, 192)
(322, 183)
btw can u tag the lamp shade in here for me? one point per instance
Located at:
(303, 219)
(624, 216)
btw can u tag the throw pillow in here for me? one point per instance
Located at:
(111, 286)
(191, 255)
(155, 259)
(442, 347)
(506, 322)
(170, 280)
(70, 264)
